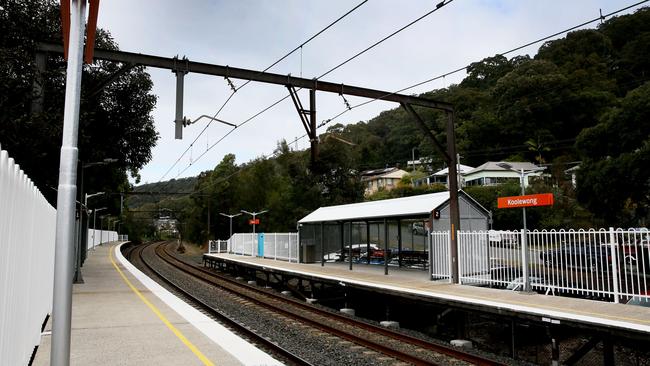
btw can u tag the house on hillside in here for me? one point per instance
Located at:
(385, 179)
(490, 173)
(442, 176)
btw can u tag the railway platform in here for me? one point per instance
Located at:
(614, 319)
(121, 317)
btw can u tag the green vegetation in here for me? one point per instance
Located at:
(583, 98)
(115, 121)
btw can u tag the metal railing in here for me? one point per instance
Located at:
(279, 246)
(606, 264)
(27, 231)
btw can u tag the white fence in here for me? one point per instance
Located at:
(99, 237)
(27, 232)
(602, 264)
(279, 246)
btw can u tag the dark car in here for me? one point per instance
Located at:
(586, 256)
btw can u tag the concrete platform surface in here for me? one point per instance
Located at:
(113, 325)
(416, 283)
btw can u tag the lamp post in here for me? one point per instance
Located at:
(229, 216)
(254, 214)
(524, 240)
(94, 224)
(88, 211)
(77, 275)
(101, 227)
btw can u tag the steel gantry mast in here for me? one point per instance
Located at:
(308, 116)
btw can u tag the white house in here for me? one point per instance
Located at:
(491, 173)
(442, 176)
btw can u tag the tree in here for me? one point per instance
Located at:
(613, 180)
(115, 122)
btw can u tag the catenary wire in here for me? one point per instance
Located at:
(248, 81)
(438, 6)
(441, 76)
(453, 71)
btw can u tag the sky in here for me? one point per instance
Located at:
(254, 34)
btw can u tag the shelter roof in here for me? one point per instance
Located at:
(412, 206)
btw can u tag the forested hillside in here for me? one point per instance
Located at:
(583, 98)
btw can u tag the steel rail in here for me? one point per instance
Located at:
(212, 277)
(136, 253)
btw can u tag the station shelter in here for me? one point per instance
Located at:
(391, 232)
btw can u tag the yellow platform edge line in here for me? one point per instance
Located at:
(153, 308)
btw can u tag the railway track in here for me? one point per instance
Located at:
(396, 345)
(136, 257)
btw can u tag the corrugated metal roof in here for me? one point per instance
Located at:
(407, 206)
(493, 166)
(461, 169)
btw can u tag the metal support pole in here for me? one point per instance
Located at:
(94, 227)
(454, 210)
(322, 244)
(67, 189)
(399, 243)
(78, 278)
(180, 76)
(342, 237)
(350, 244)
(524, 240)
(313, 138)
(367, 242)
(385, 246)
(85, 243)
(208, 220)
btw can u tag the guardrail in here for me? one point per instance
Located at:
(606, 264)
(27, 230)
(278, 246)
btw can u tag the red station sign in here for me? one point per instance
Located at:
(253, 222)
(531, 200)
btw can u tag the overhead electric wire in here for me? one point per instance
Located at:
(444, 75)
(441, 76)
(248, 81)
(438, 6)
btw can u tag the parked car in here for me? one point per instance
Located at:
(585, 256)
(418, 228)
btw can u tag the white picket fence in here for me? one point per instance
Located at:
(27, 233)
(278, 246)
(608, 264)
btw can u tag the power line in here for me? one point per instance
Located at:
(438, 6)
(431, 79)
(248, 81)
(442, 76)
